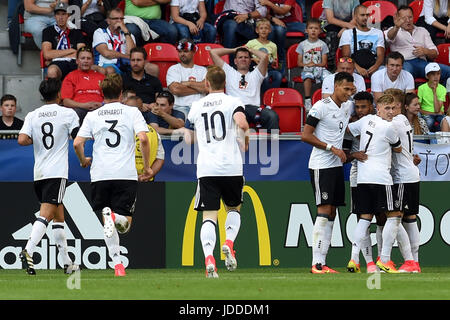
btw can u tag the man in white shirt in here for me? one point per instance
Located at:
(345, 64)
(113, 170)
(185, 80)
(366, 38)
(324, 130)
(246, 84)
(221, 134)
(375, 193)
(48, 129)
(393, 76)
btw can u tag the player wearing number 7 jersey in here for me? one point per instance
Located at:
(48, 129)
(113, 171)
(220, 126)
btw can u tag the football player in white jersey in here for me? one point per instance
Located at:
(48, 129)
(363, 106)
(324, 130)
(113, 170)
(406, 178)
(375, 195)
(220, 125)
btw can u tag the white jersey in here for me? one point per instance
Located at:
(354, 168)
(50, 127)
(377, 137)
(330, 129)
(219, 153)
(403, 168)
(113, 128)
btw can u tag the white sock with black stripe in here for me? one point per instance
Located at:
(319, 231)
(232, 224)
(390, 232)
(37, 232)
(208, 237)
(59, 235)
(327, 239)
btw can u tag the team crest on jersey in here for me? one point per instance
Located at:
(325, 195)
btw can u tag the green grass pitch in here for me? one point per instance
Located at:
(243, 284)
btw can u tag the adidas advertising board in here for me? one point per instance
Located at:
(142, 247)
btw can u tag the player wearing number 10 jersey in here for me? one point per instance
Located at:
(217, 119)
(113, 170)
(48, 129)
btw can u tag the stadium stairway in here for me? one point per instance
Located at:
(21, 81)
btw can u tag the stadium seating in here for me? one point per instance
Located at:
(23, 36)
(379, 10)
(443, 54)
(164, 55)
(288, 104)
(317, 95)
(44, 64)
(292, 66)
(218, 8)
(316, 12)
(121, 5)
(298, 34)
(416, 6)
(202, 56)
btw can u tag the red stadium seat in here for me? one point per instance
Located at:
(379, 10)
(164, 55)
(202, 56)
(299, 13)
(316, 12)
(44, 64)
(23, 36)
(291, 65)
(288, 104)
(317, 95)
(121, 5)
(443, 54)
(416, 6)
(218, 8)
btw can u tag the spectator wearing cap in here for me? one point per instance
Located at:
(186, 80)
(432, 97)
(163, 118)
(60, 44)
(189, 17)
(8, 108)
(38, 15)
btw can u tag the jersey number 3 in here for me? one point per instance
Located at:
(117, 133)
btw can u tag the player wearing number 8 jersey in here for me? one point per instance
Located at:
(113, 171)
(219, 122)
(324, 130)
(48, 128)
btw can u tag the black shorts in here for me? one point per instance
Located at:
(408, 197)
(376, 199)
(50, 190)
(65, 66)
(353, 199)
(211, 189)
(328, 186)
(119, 195)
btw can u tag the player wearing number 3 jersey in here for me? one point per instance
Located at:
(48, 129)
(113, 171)
(219, 122)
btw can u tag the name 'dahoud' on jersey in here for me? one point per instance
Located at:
(216, 132)
(50, 127)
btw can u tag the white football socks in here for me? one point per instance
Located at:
(113, 245)
(59, 235)
(37, 232)
(361, 230)
(390, 231)
(412, 229)
(403, 243)
(232, 225)
(319, 236)
(208, 237)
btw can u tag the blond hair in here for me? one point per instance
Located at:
(263, 21)
(386, 99)
(398, 94)
(216, 77)
(111, 86)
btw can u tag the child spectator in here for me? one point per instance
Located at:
(8, 120)
(312, 56)
(262, 43)
(432, 97)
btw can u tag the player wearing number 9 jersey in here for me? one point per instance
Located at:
(218, 119)
(113, 171)
(48, 128)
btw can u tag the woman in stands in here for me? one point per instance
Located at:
(435, 17)
(411, 110)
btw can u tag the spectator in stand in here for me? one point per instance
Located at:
(432, 97)
(345, 64)
(393, 76)
(60, 44)
(414, 43)
(186, 80)
(246, 84)
(93, 16)
(283, 14)
(189, 17)
(145, 85)
(150, 12)
(337, 16)
(370, 39)
(163, 118)
(435, 17)
(445, 123)
(38, 15)
(262, 43)
(80, 90)
(8, 120)
(312, 57)
(411, 110)
(236, 23)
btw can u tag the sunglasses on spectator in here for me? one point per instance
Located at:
(242, 82)
(350, 60)
(163, 94)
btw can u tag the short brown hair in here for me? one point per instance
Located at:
(111, 86)
(386, 99)
(216, 77)
(398, 94)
